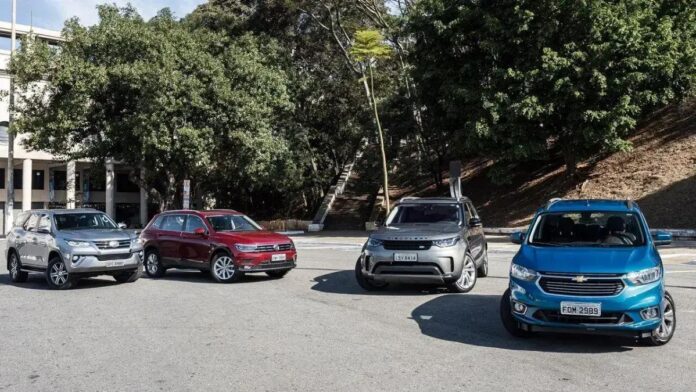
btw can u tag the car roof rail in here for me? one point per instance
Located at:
(552, 202)
(406, 198)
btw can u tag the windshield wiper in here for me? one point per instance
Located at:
(547, 244)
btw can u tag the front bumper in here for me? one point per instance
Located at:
(263, 261)
(435, 265)
(620, 313)
(104, 262)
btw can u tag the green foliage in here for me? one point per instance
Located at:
(369, 45)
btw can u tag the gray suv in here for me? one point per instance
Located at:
(426, 240)
(66, 245)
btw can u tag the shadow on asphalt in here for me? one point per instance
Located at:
(475, 320)
(343, 282)
(36, 281)
(195, 276)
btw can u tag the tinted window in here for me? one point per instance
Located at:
(588, 229)
(84, 221)
(425, 213)
(172, 223)
(193, 222)
(233, 223)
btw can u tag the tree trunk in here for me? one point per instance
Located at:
(571, 162)
(385, 173)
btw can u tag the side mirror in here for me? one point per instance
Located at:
(662, 238)
(200, 232)
(122, 226)
(517, 238)
(475, 222)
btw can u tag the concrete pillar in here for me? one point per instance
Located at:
(70, 186)
(27, 173)
(143, 199)
(110, 188)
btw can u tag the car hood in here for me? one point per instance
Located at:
(587, 260)
(254, 237)
(96, 235)
(417, 231)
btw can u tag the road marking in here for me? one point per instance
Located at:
(681, 272)
(667, 256)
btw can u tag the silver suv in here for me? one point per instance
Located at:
(426, 240)
(66, 245)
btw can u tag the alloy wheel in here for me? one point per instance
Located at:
(468, 277)
(664, 331)
(59, 275)
(14, 266)
(152, 263)
(224, 268)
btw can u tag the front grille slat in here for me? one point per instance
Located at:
(593, 287)
(271, 248)
(606, 318)
(105, 244)
(407, 245)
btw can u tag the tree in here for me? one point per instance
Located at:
(368, 48)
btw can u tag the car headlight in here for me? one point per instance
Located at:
(374, 243)
(245, 248)
(645, 276)
(447, 242)
(78, 244)
(522, 273)
(137, 241)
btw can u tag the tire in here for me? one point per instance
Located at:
(664, 333)
(57, 275)
(509, 321)
(277, 274)
(128, 276)
(365, 283)
(482, 270)
(153, 264)
(15, 268)
(467, 280)
(223, 269)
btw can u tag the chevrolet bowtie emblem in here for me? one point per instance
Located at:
(580, 279)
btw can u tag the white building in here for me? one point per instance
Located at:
(42, 181)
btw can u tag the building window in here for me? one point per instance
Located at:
(37, 179)
(17, 178)
(60, 180)
(124, 183)
(2, 178)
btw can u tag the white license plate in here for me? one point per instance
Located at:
(405, 256)
(278, 257)
(581, 309)
(119, 263)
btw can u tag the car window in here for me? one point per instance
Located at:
(233, 223)
(425, 213)
(21, 219)
(44, 223)
(31, 222)
(588, 228)
(84, 221)
(172, 223)
(193, 222)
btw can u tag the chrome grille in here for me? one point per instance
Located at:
(271, 248)
(105, 244)
(590, 287)
(407, 245)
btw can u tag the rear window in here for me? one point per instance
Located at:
(620, 229)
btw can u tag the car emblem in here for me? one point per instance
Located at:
(113, 244)
(580, 279)
(276, 247)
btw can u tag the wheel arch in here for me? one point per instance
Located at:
(55, 253)
(220, 249)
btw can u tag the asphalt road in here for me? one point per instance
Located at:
(315, 330)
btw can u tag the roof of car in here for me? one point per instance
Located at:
(66, 211)
(204, 213)
(430, 200)
(563, 205)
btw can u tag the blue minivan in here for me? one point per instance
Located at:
(589, 266)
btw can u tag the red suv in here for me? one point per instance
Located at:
(224, 242)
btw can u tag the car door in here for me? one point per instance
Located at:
(43, 237)
(474, 231)
(169, 238)
(25, 243)
(195, 247)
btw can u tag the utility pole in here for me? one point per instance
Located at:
(9, 204)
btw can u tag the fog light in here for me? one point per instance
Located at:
(519, 307)
(650, 313)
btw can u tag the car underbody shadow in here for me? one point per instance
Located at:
(344, 282)
(196, 276)
(475, 319)
(37, 281)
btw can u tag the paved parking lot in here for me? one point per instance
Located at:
(315, 330)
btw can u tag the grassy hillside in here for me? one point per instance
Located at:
(659, 173)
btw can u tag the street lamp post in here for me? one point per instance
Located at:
(9, 204)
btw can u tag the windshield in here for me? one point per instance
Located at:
(620, 229)
(425, 213)
(233, 223)
(81, 221)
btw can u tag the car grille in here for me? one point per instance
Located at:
(592, 287)
(105, 244)
(407, 245)
(118, 256)
(606, 318)
(271, 248)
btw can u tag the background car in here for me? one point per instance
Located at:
(589, 266)
(426, 240)
(67, 245)
(225, 243)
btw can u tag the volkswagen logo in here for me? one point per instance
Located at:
(113, 244)
(580, 279)
(276, 247)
